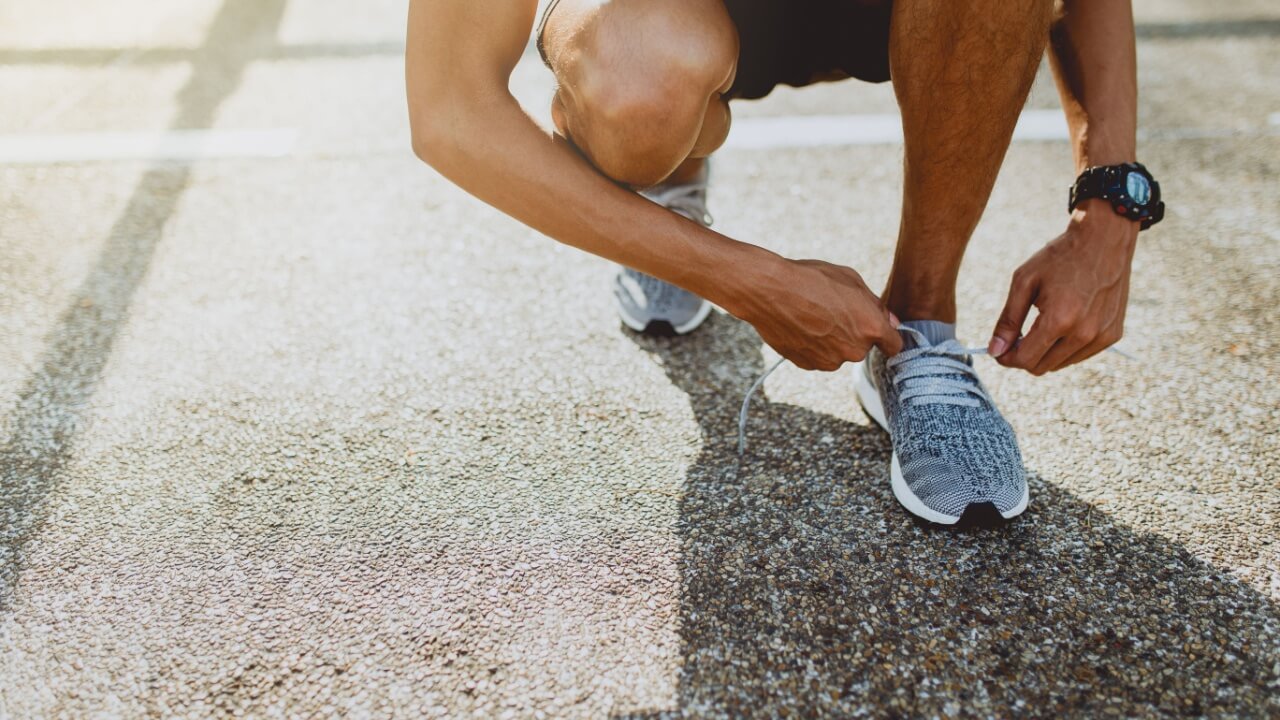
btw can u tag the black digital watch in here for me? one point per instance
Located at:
(1129, 188)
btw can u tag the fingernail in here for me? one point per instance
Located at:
(894, 321)
(997, 346)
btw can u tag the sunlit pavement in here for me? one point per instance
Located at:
(292, 427)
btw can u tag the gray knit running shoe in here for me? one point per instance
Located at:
(955, 458)
(647, 304)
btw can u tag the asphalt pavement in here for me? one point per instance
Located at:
(290, 426)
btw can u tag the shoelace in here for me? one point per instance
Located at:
(746, 405)
(931, 379)
(934, 375)
(938, 374)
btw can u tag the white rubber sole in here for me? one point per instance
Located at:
(869, 398)
(641, 325)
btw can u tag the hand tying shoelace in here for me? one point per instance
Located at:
(932, 380)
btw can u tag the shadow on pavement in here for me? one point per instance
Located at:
(51, 403)
(808, 591)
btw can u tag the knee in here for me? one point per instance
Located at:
(637, 98)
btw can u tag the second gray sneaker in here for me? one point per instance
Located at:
(955, 458)
(647, 304)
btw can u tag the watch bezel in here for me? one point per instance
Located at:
(1110, 183)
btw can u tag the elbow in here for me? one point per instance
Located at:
(434, 124)
(430, 140)
(444, 125)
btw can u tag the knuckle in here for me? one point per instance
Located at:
(1057, 324)
(1067, 319)
(1086, 332)
(1071, 309)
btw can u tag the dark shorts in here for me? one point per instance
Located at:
(800, 42)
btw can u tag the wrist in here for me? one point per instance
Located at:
(735, 284)
(1098, 218)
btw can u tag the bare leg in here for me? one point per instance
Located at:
(961, 72)
(641, 83)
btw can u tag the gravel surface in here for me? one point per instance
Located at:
(323, 436)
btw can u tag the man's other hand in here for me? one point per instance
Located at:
(1080, 284)
(819, 315)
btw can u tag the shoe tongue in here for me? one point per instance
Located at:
(933, 331)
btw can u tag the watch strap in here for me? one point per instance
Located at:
(1095, 182)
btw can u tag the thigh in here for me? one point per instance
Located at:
(801, 42)
(626, 35)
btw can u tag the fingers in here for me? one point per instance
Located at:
(1031, 349)
(830, 358)
(1057, 355)
(1083, 354)
(1077, 341)
(825, 359)
(889, 341)
(1022, 293)
(1082, 342)
(1104, 341)
(831, 363)
(833, 319)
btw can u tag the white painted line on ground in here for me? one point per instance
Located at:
(171, 145)
(792, 131)
(751, 133)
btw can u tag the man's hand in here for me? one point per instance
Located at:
(1080, 284)
(818, 315)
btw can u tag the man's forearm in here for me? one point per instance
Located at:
(1093, 54)
(459, 56)
(492, 149)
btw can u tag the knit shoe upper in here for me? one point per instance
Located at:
(953, 451)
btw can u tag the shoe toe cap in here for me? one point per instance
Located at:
(953, 484)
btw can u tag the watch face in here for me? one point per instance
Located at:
(1138, 188)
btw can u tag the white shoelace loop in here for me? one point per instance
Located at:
(746, 405)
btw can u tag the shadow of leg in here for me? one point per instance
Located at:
(808, 591)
